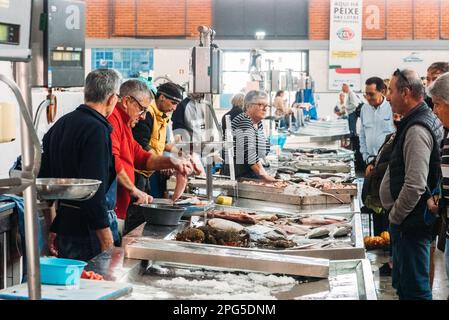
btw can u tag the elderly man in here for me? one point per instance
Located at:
(439, 91)
(135, 101)
(414, 168)
(250, 144)
(151, 134)
(78, 146)
(376, 119)
(433, 72)
(352, 101)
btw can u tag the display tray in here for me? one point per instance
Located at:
(275, 194)
(348, 280)
(328, 247)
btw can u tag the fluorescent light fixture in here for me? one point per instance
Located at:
(260, 35)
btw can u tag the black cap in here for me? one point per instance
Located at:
(171, 91)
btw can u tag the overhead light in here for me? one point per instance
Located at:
(260, 35)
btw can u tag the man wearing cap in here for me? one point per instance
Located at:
(128, 154)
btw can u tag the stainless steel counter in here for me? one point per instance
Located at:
(349, 279)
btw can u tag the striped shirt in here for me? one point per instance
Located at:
(445, 171)
(250, 143)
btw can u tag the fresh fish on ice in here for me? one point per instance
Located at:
(318, 233)
(222, 224)
(341, 231)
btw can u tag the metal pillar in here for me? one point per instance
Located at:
(208, 123)
(22, 75)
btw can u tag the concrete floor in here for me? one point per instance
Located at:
(383, 284)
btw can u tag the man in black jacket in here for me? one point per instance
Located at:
(79, 146)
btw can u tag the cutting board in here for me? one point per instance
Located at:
(88, 290)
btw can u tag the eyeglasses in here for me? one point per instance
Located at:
(262, 106)
(399, 72)
(142, 108)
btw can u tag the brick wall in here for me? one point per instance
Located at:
(382, 19)
(444, 14)
(146, 18)
(97, 18)
(398, 19)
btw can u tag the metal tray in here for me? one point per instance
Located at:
(348, 280)
(356, 252)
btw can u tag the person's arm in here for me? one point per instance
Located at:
(363, 147)
(126, 183)
(260, 171)
(417, 149)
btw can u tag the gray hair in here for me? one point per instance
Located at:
(409, 79)
(101, 84)
(252, 96)
(136, 88)
(440, 88)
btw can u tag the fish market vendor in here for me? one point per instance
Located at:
(250, 143)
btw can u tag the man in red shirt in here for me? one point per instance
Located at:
(135, 99)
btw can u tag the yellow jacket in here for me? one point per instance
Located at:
(158, 134)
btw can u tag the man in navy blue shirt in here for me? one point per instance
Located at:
(79, 146)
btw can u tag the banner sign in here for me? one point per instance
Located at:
(345, 45)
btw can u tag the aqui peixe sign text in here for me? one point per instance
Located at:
(345, 45)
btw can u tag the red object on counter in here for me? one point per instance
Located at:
(90, 275)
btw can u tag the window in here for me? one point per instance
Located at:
(236, 66)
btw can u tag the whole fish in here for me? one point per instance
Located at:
(224, 225)
(341, 231)
(318, 233)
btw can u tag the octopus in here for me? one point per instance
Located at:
(211, 235)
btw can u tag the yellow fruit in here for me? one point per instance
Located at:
(386, 236)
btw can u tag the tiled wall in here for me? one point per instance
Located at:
(129, 62)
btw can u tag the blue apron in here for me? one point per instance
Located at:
(111, 197)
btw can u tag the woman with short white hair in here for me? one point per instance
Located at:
(439, 91)
(250, 143)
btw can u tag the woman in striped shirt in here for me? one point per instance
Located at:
(250, 143)
(439, 91)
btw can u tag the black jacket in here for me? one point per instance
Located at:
(79, 145)
(421, 115)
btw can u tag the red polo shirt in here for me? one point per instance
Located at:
(128, 155)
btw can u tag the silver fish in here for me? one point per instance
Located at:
(341, 231)
(318, 233)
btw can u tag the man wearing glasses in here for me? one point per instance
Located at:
(414, 167)
(376, 119)
(250, 143)
(136, 99)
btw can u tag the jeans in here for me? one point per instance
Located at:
(352, 122)
(411, 264)
(446, 258)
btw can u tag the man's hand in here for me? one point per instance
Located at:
(369, 170)
(51, 243)
(432, 205)
(105, 238)
(183, 166)
(140, 196)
